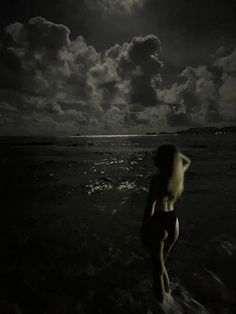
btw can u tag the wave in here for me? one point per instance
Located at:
(106, 184)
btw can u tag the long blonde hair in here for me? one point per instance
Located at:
(171, 174)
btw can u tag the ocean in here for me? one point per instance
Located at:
(70, 221)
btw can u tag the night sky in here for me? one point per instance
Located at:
(116, 67)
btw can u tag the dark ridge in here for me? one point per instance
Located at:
(198, 146)
(33, 143)
(150, 133)
(209, 130)
(166, 133)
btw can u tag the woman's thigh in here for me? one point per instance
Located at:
(170, 240)
(153, 234)
(157, 259)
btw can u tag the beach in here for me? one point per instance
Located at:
(71, 215)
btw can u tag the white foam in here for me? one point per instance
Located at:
(183, 302)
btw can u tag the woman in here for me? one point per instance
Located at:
(160, 226)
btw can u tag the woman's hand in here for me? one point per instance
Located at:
(153, 208)
(186, 160)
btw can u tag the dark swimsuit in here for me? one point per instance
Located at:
(154, 227)
(168, 220)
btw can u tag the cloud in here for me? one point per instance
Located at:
(207, 95)
(117, 5)
(177, 119)
(138, 63)
(5, 107)
(227, 63)
(44, 72)
(51, 83)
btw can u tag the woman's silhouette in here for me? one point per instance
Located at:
(160, 225)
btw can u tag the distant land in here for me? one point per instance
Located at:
(209, 130)
(202, 130)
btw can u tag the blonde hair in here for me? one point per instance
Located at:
(171, 174)
(175, 184)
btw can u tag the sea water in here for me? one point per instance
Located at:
(72, 210)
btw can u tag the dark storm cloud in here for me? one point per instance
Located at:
(50, 80)
(41, 66)
(227, 90)
(177, 119)
(135, 118)
(227, 63)
(38, 32)
(31, 56)
(47, 76)
(208, 94)
(144, 54)
(188, 29)
(138, 62)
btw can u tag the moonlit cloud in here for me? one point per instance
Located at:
(227, 63)
(117, 5)
(47, 76)
(205, 97)
(52, 83)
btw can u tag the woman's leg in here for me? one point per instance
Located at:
(158, 272)
(169, 242)
(166, 281)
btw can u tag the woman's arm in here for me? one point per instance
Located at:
(186, 160)
(149, 205)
